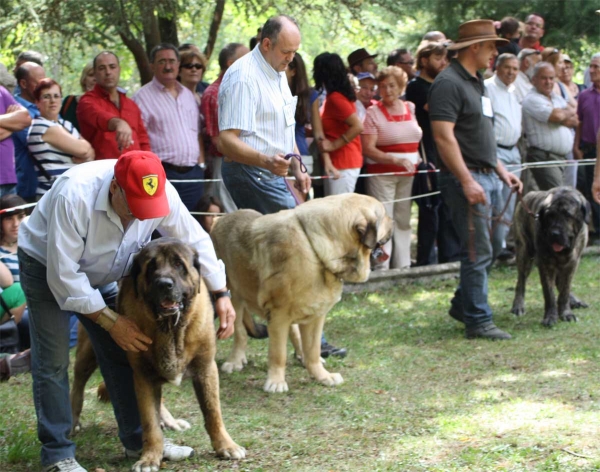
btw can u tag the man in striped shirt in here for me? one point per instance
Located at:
(547, 122)
(256, 122)
(172, 118)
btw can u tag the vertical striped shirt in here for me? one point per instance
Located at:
(507, 111)
(542, 134)
(54, 161)
(172, 123)
(252, 98)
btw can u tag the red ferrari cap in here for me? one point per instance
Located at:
(141, 176)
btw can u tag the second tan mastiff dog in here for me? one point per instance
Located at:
(289, 268)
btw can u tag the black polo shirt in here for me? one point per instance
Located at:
(417, 91)
(455, 96)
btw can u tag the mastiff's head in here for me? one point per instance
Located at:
(166, 276)
(345, 232)
(562, 216)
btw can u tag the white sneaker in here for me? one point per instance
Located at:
(66, 465)
(171, 452)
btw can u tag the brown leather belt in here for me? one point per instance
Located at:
(178, 169)
(482, 170)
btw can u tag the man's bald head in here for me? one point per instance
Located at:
(28, 75)
(280, 39)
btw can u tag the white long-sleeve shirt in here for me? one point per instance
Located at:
(77, 235)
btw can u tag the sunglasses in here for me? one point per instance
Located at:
(410, 63)
(193, 66)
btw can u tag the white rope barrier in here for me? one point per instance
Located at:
(523, 166)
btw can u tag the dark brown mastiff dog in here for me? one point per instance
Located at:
(550, 230)
(169, 302)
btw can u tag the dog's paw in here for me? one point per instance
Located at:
(233, 366)
(275, 387)
(76, 429)
(175, 424)
(146, 466)
(332, 380)
(232, 452)
(518, 310)
(548, 322)
(568, 316)
(575, 302)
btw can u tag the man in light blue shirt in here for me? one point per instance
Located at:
(79, 241)
(507, 129)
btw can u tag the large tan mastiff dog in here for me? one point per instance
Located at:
(289, 268)
(169, 302)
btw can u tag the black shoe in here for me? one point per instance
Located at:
(488, 331)
(329, 350)
(457, 315)
(506, 255)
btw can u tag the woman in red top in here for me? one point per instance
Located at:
(341, 146)
(390, 141)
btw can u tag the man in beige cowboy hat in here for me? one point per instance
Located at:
(462, 123)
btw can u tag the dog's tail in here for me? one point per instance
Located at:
(103, 393)
(255, 330)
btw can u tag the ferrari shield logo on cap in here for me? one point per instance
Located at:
(150, 184)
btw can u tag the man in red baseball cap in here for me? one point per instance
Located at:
(79, 241)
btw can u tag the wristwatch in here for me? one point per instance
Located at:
(217, 295)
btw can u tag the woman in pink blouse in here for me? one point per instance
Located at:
(390, 141)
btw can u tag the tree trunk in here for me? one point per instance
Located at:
(139, 54)
(168, 29)
(214, 28)
(150, 26)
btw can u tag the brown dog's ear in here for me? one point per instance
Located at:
(586, 211)
(134, 273)
(197, 267)
(368, 234)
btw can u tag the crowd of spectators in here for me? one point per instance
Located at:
(368, 130)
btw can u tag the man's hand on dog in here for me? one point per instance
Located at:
(226, 313)
(128, 336)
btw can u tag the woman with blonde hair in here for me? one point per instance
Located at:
(68, 110)
(191, 70)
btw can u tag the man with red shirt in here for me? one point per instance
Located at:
(110, 121)
(209, 108)
(534, 31)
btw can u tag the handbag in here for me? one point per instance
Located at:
(425, 183)
(9, 332)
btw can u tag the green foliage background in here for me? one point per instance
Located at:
(70, 32)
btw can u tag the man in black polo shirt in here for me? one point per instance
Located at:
(461, 121)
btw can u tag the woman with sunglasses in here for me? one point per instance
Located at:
(191, 70)
(54, 143)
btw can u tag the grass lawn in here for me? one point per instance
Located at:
(417, 395)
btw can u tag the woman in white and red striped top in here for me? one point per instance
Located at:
(390, 141)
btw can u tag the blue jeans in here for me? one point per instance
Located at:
(471, 296)
(8, 189)
(511, 159)
(189, 192)
(256, 188)
(50, 333)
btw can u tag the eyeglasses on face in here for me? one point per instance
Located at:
(410, 63)
(50, 96)
(171, 62)
(193, 66)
